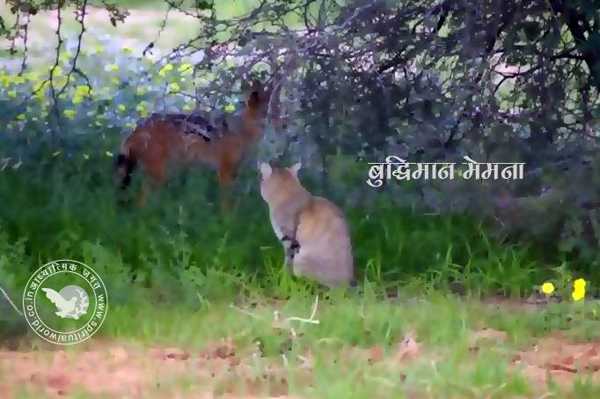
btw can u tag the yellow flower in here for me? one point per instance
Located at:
(186, 69)
(578, 294)
(578, 289)
(70, 113)
(166, 69)
(548, 288)
(111, 68)
(141, 90)
(81, 92)
(579, 283)
(12, 93)
(7, 80)
(229, 108)
(174, 87)
(142, 108)
(122, 108)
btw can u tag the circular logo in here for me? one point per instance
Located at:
(65, 302)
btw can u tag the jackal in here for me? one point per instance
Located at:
(165, 141)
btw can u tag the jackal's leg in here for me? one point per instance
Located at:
(156, 177)
(143, 194)
(226, 178)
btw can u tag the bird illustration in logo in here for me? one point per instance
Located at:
(71, 302)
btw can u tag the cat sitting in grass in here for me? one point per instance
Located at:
(313, 230)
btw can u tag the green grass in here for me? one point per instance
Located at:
(180, 274)
(350, 326)
(68, 208)
(361, 319)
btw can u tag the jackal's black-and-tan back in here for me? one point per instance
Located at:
(177, 139)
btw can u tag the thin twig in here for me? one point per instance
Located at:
(11, 302)
(311, 319)
(59, 43)
(25, 44)
(81, 19)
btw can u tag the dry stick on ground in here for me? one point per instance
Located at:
(311, 319)
(278, 323)
(284, 323)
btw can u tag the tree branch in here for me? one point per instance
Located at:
(576, 22)
(81, 19)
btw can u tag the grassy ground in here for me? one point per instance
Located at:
(199, 302)
(428, 346)
(67, 204)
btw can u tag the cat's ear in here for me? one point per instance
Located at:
(295, 168)
(265, 170)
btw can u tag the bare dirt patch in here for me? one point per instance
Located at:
(121, 370)
(220, 369)
(558, 359)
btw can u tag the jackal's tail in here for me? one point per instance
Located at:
(125, 164)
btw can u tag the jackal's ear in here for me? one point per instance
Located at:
(253, 99)
(265, 170)
(256, 94)
(295, 168)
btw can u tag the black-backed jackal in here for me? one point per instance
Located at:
(165, 141)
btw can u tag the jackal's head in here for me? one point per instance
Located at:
(124, 166)
(257, 102)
